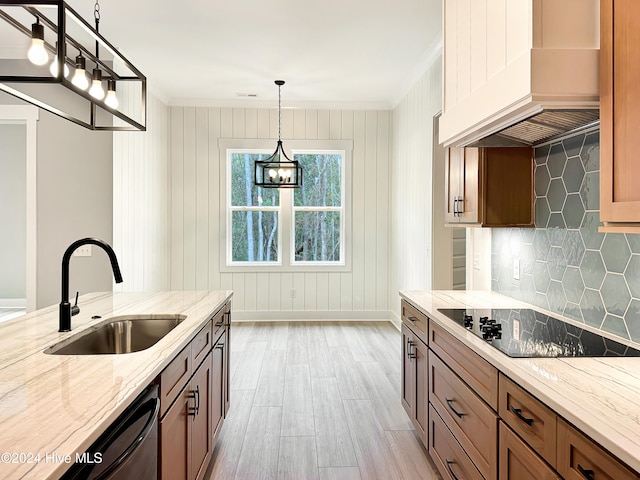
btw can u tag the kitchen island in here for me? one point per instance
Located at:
(54, 406)
(598, 396)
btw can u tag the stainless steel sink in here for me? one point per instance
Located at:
(124, 334)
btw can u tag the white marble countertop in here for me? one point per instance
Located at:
(59, 404)
(600, 396)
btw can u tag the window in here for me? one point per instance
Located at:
(287, 229)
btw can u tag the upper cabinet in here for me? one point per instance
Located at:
(507, 60)
(489, 187)
(620, 116)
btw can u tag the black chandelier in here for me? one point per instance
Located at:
(274, 172)
(63, 86)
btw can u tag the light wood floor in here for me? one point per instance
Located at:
(317, 400)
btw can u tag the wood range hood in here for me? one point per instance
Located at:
(519, 76)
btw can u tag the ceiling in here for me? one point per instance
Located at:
(329, 52)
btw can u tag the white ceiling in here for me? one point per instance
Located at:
(365, 53)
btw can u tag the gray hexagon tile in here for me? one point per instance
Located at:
(573, 284)
(527, 259)
(590, 153)
(556, 263)
(556, 220)
(634, 241)
(573, 145)
(573, 247)
(541, 212)
(614, 290)
(556, 160)
(633, 325)
(589, 230)
(541, 154)
(573, 175)
(593, 310)
(515, 241)
(590, 191)
(541, 244)
(592, 269)
(573, 311)
(556, 297)
(541, 277)
(615, 252)
(556, 194)
(527, 235)
(541, 180)
(632, 274)
(615, 325)
(573, 211)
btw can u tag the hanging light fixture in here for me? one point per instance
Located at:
(274, 172)
(95, 107)
(37, 54)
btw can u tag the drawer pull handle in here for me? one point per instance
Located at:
(409, 353)
(449, 463)
(413, 319)
(192, 411)
(518, 413)
(450, 403)
(588, 474)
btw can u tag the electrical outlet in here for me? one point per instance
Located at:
(516, 269)
(293, 293)
(83, 251)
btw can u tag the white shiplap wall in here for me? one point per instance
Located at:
(197, 212)
(141, 202)
(412, 213)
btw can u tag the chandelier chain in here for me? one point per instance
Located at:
(96, 11)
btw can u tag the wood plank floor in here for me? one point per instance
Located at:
(317, 400)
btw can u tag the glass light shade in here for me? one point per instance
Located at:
(111, 99)
(80, 79)
(54, 68)
(37, 54)
(96, 90)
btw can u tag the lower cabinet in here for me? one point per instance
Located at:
(415, 384)
(518, 461)
(186, 442)
(195, 402)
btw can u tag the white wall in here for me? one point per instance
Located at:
(410, 261)
(197, 226)
(141, 202)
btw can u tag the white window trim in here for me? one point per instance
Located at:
(285, 241)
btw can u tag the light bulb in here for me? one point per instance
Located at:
(272, 173)
(54, 68)
(111, 99)
(37, 54)
(79, 77)
(96, 90)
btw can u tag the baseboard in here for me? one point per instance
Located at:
(311, 315)
(395, 320)
(13, 303)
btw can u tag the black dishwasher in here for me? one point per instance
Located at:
(128, 448)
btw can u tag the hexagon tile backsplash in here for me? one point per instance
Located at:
(566, 265)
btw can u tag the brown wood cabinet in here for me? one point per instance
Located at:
(489, 187)
(619, 115)
(519, 462)
(579, 458)
(415, 383)
(194, 400)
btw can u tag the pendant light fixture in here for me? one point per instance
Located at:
(37, 54)
(276, 172)
(96, 105)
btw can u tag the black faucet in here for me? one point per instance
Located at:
(66, 311)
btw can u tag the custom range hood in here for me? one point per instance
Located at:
(519, 76)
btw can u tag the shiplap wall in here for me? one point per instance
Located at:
(198, 221)
(141, 202)
(411, 201)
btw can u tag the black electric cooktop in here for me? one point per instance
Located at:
(527, 333)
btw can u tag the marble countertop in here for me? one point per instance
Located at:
(600, 396)
(57, 405)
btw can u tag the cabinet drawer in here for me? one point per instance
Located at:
(519, 462)
(219, 321)
(472, 422)
(174, 377)
(579, 458)
(529, 418)
(201, 345)
(479, 374)
(447, 453)
(416, 320)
